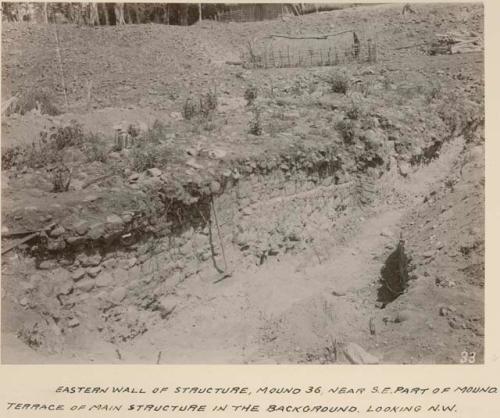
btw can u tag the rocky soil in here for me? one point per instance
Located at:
(311, 225)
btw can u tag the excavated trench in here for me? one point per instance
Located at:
(118, 280)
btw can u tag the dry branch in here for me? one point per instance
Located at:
(325, 36)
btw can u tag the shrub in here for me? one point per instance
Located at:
(155, 134)
(10, 156)
(189, 109)
(61, 178)
(207, 104)
(346, 129)
(339, 82)
(95, 149)
(144, 157)
(433, 92)
(47, 148)
(251, 94)
(354, 111)
(34, 99)
(255, 123)
(67, 136)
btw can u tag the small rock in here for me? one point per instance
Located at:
(24, 301)
(386, 233)
(133, 177)
(357, 355)
(90, 198)
(104, 279)
(404, 169)
(127, 217)
(215, 187)
(65, 288)
(338, 293)
(192, 151)
(78, 274)
(94, 271)
(47, 265)
(292, 115)
(96, 231)
(75, 240)
(81, 227)
(85, 285)
(114, 220)
(192, 163)
(57, 231)
(131, 262)
(56, 245)
(445, 310)
(167, 305)
(154, 172)
(428, 254)
(217, 154)
(117, 295)
(110, 263)
(374, 139)
(246, 211)
(91, 261)
(402, 316)
(73, 323)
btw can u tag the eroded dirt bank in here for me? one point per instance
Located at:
(281, 268)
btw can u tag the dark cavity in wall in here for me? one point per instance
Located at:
(394, 276)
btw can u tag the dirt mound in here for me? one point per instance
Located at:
(150, 65)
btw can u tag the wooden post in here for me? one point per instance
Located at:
(61, 69)
(45, 13)
(200, 17)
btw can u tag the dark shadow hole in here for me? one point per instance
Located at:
(394, 276)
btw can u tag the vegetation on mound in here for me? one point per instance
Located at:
(35, 99)
(338, 81)
(204, 106)
(50, 144)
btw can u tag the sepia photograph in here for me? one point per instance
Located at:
(230, 183)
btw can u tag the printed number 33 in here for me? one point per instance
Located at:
(468, 357)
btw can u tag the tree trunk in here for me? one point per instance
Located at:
(45, 13)
(184, 13)
(105, 12)
(94, 15)
(166, 16)
(200, 18)
(119, 13)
